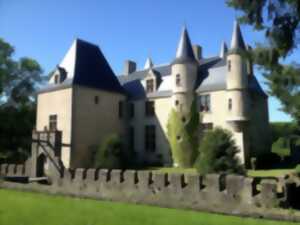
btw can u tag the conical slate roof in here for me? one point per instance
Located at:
(85, 65)
(237, 41)
(224, 50)
(148, 64)
(184, 51)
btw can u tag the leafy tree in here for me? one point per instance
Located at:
(279, 19)
(217, 153)
(18, 82)
(182, 135)
(109, 153)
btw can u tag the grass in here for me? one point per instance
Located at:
(269, 173)
(23, 208)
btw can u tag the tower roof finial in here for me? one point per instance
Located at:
(237, 41)
(184, 50)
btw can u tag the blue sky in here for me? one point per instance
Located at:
(133, 29)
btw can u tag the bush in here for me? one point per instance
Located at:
(281, 147)
(109, 153)
(268, 161)
(217, 153)
(183, 137)
(297, 169)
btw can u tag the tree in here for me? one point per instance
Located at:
(19, 80)
(183, 136)
(109, 153)
(279, 19)
(217, 153)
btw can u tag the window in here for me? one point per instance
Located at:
(96, 100)
(150, 85)
(56, 79)
(120, 109)
(131, 139)
(229, 104)
(150, 142)
(204, 103)
(178, 80)
(229, 65)
(177, 102)
(53, 122)
(131, 110)
(149, 108)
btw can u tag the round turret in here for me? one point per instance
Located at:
(184, 74)
(237, 81)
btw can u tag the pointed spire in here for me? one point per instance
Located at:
(184, 50)
(148, 64)
(237, 41)
(224, 50)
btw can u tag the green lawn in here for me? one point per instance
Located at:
(21, 208)
(269, 173)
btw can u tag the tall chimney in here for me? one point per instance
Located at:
(197, 49)
(129, 67)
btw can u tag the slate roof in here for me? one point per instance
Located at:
(184, 51)
(237, 41)
(86, 66)
(211, 77)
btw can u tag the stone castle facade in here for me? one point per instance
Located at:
(86, 101)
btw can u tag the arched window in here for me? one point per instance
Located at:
(178, 80)
(229, 104)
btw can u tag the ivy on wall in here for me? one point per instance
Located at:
(183, 136)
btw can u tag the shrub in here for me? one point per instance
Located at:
(268, 161)
(281, 147)
(297, 169)
(217, 153)
(183, 136)
(109, 153)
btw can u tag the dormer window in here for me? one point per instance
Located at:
(178, 80)
(60, 75)
(149, 85)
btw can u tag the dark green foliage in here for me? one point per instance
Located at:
(280, 21)
(183, 136)
(217, 153)
(282, 129)
(18, 82)
(281, 147)
(297, 169)
(16, 125)
(109, 153)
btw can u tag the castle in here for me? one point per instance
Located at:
(86, 101)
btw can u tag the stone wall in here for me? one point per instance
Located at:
(231, 194)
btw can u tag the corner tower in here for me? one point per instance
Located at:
(184, 74)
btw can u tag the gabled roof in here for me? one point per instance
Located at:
(86, 66)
